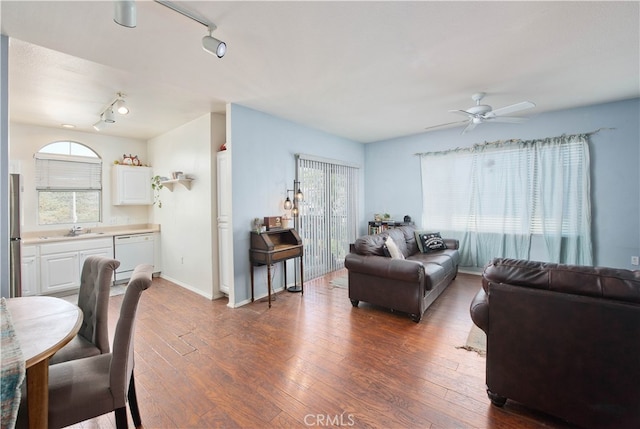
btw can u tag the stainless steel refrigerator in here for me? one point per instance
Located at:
(15, 259)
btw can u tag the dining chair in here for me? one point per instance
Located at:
(93, 299)
(82, 389)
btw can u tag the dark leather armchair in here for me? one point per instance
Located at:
(563, 339)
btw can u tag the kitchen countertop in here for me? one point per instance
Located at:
(40, 237)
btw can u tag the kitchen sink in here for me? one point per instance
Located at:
(83, 235)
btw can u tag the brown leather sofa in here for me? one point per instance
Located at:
(408, 285)
(563, 339)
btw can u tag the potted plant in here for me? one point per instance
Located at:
(156, 185)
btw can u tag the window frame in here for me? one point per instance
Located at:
(59, 173)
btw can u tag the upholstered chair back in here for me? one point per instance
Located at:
(93, 299)
(122, 360)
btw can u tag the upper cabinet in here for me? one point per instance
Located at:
(131, 185)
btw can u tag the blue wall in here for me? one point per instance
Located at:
(393, 179)
(263, 149)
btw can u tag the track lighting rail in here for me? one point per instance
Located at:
(210, 25)
(209, 43)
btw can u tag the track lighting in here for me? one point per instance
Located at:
(108, 116)
(121, 107)
(213, 45)
(209, 43)
(124, 13)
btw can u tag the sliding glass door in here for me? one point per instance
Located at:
(328, 215)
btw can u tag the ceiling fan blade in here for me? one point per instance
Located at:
(444, 125)
(469, 127)
(507, 119)
(510, 109)
(462, 112)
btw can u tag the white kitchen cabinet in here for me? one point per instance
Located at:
(225, 230)
(224, 186)
(29, 272)
(131, 185)
(61, 262)
(225, 257)
(59, 272)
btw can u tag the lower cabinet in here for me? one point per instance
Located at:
(29, 272)
(59, 272)
(61, 263)
(226, 257)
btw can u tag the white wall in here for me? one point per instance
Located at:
(26, 140)
(188, 217)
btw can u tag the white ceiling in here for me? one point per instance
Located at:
(366, 71)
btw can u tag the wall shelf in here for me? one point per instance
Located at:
(169, 183)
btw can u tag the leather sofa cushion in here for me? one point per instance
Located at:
(373, 244)
(370, 245)
(434, 274)
(436, 259)
(612, 283)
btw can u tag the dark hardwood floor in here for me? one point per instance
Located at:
(310, 361)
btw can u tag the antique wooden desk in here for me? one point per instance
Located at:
(273, 246)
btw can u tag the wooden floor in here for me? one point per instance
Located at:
(310, 361)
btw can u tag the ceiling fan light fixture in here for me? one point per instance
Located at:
(124, 13)
(481, 113)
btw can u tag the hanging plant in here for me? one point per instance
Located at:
(156, 185)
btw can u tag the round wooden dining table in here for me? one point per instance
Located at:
(43, 325)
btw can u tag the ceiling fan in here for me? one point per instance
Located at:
(481, 113)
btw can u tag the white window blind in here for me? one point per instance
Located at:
(59, 172)
(329, 213)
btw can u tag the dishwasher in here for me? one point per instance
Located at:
(132, 250)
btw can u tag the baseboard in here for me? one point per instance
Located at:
(470, 270)
(189, 287)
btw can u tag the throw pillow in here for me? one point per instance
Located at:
(430, 241)
(418, 235)
(391, 250)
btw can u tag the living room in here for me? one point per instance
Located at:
(390, 176)
(258, 138)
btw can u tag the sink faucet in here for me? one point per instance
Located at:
(75, 230)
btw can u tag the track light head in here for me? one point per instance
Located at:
(124, 13)
(213, 45)
(98, 126)
(121, 107)
(108, 117)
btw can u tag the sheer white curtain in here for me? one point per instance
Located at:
(514, 199)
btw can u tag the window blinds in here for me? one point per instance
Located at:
(60, 173)
(329, 213)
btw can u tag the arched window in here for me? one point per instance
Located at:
(69, 184)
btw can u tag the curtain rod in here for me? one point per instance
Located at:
(511, 141)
